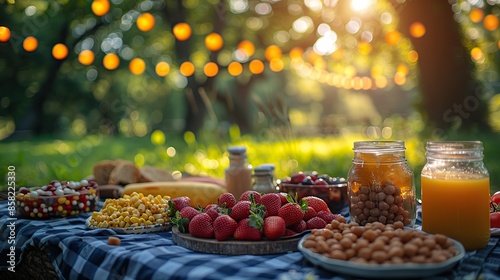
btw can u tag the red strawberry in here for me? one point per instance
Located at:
(224, 227)
(212, 205)
(246, 196)
(310, 212)
(316, 222)
(283, 196)
(244, 231)
(292, 213)
(274, 227)
(317, 203)
(272, 202)
(299, 227)
(201, 226)
(327, 216)
(189, 212)
(183, 217)
(213, 212)
(181, 202)
(228, 199)
(241, 210)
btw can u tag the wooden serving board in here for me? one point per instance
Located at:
(234, 247)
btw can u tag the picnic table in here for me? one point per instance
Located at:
(65, 248)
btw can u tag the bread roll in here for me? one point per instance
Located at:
(154, 174)
(126, 172)
(102, 170)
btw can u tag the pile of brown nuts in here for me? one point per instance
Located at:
(376, 243)
(378, 203)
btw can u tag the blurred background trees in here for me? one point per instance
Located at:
(380, 68)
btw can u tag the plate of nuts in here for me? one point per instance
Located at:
(57, 199)
(381, 251)
(132, 214)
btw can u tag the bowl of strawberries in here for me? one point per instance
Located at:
(333, 190)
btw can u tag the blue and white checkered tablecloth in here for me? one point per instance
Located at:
(77, 252)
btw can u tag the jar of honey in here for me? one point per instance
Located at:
(380, 184)
(455, 191)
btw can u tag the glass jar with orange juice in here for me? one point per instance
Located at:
(455, 191)
(380, 184)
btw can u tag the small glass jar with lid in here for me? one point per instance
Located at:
(381, 186)
(238, 175)
(263, 180)
(455, 191)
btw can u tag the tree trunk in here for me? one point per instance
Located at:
(451, 95)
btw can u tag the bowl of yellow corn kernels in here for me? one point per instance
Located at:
(134, 213)
(57, 199)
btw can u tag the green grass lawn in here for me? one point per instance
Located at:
(38, 161)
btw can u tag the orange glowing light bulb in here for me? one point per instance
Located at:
(137, 66)
(162, 69)
(86, 57)
(100, 7)
(4, 34)
(235, 68)
(111, 61)
(145, 22)
(214, 41)
(182, 31)
(211, 69)
(256, 66)
(60, 51)
(30, 44)
(186, 68)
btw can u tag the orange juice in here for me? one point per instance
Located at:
(457, 208)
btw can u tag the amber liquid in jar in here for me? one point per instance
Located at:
(455, 189)
(380, 184)
(238, 175)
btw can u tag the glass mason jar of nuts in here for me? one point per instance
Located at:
(380, 184)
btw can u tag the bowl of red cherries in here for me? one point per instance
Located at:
(333, 190)
(57, 199)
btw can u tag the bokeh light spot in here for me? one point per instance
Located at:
(137, 66)
(276, 64)
(211, 69)
(235, 68)
(111, 61)
(30, 44)
(86, 57)
(214, 41)
(296, 53)
(364, 48)
(187, 68)
(490, 22)
(60, 51)
(256, 66)
(417, 29)
(476, 15)
(145, 22)
(139, 160)
(247, 47)
(476, 54)
(158, 137)
(413, 56)
(100, 7)
(392, 37)
(182, 31)
(4, 34)
(162, 69)
(272, 51)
